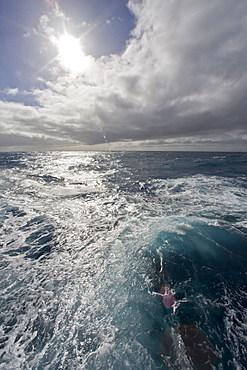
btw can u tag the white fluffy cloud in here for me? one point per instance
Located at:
(180, 83)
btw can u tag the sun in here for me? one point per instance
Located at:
(71, 55)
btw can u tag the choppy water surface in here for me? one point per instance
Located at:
(87, 237)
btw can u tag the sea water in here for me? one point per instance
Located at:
(87, 239)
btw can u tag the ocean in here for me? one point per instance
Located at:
(88, 238)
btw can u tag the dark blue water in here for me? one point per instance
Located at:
(87, 238)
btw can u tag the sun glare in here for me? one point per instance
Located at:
(71, 54)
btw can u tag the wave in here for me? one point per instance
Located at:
(86, 238)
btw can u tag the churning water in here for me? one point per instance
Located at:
(86, 238)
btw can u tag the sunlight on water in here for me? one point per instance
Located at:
(86, 238)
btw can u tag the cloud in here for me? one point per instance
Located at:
(52, 3)
(181, 82)
(186, 71)
(10, 91)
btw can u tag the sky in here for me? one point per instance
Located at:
(123, 75)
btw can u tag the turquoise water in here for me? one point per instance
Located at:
(87, 238)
